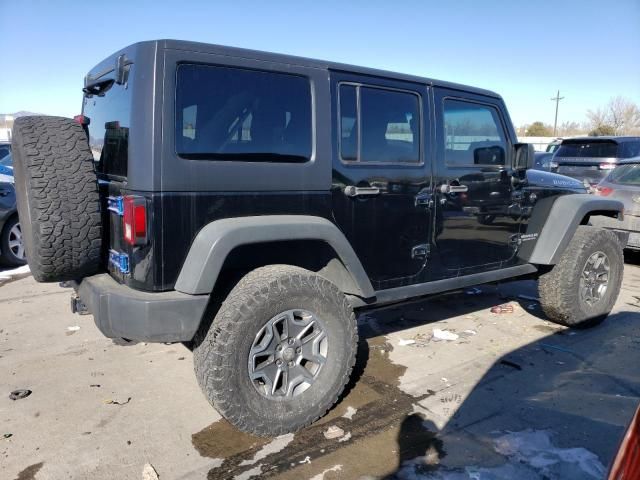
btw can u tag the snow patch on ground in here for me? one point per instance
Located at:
(253, 472)
(350, 412)
(14, 274)
(274, 446)
(320, 476)
(529, 455)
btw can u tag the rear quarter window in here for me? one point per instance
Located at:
(237, 114)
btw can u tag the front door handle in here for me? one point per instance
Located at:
(351, 191)
(453, 188)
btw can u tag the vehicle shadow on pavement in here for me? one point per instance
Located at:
(567, 396)
(553, 409)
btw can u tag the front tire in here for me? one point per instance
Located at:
(279, 352)
(583, 286)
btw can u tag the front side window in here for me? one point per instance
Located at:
(246, 115)
(473, 134)
(385, 128)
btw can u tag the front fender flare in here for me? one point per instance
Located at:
(216, 240)
(565, 216)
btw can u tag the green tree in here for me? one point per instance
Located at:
(539, 129)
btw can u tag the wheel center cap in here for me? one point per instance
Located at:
(288, 354)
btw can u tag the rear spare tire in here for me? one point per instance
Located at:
(58, 200)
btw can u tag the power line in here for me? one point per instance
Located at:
(557, 99)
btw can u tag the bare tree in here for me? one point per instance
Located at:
(621, 116)
(569, 129)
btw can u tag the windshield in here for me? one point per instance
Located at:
(626, 174)
(588, 149)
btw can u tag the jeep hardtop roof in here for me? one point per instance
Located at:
(167, 44)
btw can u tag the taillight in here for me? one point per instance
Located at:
(607, 166)
(134, 220)
(82, 120)
(603, 191)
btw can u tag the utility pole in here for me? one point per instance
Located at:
(557, 99)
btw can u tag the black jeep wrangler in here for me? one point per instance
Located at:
(247, 203)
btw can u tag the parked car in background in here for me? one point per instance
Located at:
(11, 245)
(543, 159)
(592, 158)
(5, 149)
(623, 183)
(553, 146)
(6, 168)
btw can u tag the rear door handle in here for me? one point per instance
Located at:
(454, 188)
(351, 191)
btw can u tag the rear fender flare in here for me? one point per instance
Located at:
(216, 240)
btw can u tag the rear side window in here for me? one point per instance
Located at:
(629, 149)
(474, 135)
(246, 115)
(379, 125)
(588, 149)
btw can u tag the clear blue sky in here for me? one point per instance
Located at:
(590, 50)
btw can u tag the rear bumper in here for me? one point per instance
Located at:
(122, 312)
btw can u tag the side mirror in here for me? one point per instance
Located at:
(525, 156)
(493, 155)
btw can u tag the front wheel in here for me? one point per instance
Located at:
(582, 288)
(279, 351)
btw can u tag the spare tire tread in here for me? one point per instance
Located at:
(61, 208)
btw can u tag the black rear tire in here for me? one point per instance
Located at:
(58, 200)
(222, 357)
(564, 291)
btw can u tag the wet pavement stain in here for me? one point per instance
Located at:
(221, 439)
(29, 473)
(385, 416)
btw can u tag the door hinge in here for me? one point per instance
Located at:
(421, 251)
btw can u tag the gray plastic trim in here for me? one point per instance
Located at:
(217, 239)
(122, 312)
(563, 220)
(399, 294)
